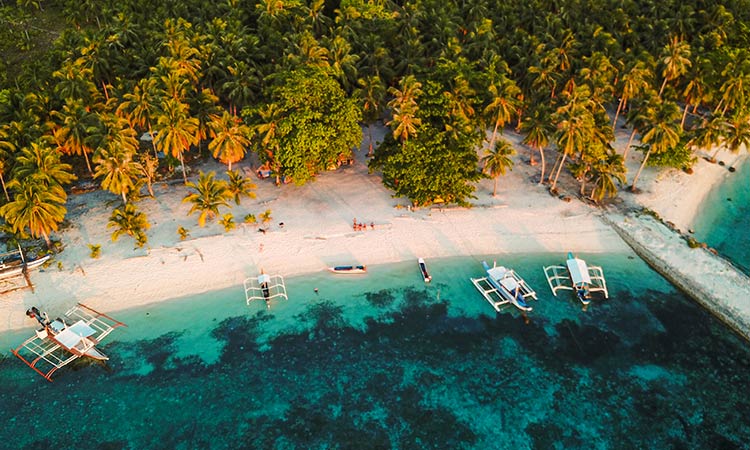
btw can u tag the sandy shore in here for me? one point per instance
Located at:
(312, 229)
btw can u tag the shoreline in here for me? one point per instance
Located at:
(312, 229)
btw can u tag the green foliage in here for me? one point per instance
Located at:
(95, 251)
(129, 221)
(314, 123)
(183, 232)
(439, 162)
(239, 186)
(209, 195)
(227, 221)
(250, 219)
(679, 157)
(265, 217)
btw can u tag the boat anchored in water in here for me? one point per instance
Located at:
(58, 343)
(264, 287)
(577, 276)
(503, 286)
(423, 268)
(348, 269)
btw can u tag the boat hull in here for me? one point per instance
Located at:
(348, 269)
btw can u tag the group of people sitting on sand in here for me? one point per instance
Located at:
(362, 226)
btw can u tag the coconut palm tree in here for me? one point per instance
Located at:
(497, 160)
(371, 93)
(37, 209)
(140, 107)
(239, 186)
(675, 59)
(129, 221)
(76, 124)
(661, 133)
(606, 172)
(176, 131)
(41, 162)
(503, 106)
(209, 195)
(632, 84)
(118, 170)
(6, 151)
(231, 139)
(404, 105)
(538, 128)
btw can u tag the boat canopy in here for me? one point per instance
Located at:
(579, 272)
(72, 335)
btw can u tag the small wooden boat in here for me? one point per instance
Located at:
(423, 269)
(14, 265)
(578, 277)
(503, 286)
(348, 269)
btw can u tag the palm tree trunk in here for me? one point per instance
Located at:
(153, 142)
(2, 180)
(684, 115)
(494, 136)
(184, 172)
(663, 85)
(47, 240)
(541, 156)
(617, 114)
(88, 164)
(638, 174)
(559, 169)
(627, 148)
(124, 198)
(369, 133)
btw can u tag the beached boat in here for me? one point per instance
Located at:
(423, 269)
(578, 277)
(348, 269)
(58, 343)
(503, 286)
(13, 264)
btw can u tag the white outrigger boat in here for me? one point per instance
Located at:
(423, 270)
(503, 286)
(13, 264)
(58, 343)
(577, 276)
(264, 287)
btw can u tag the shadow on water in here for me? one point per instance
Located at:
(645, 371)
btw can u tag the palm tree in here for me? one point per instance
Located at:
(538, 128)
(6, 151)
(231, 138)
(176, 131)
(606, 171)
(129, 221)
(239, 186)
(738, 132)
(209, 195)
(497, 160)
(139, 107)
(41, 163)
(676, 61)
(404, 105)
(371, 93)
(661, 134)
(77, 123)
(118, 170)
(36, 208)
(503, 105)
(632, 84)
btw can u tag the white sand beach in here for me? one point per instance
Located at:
(312, 229)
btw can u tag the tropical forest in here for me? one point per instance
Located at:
(117, 95)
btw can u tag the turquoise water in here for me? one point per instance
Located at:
(385, 361)
(724, 223)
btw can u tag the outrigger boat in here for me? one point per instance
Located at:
(59, 343)
(264, 287)
(423, 269)
(348, 269)
(577, 276)
(503, 286)
(13, 264)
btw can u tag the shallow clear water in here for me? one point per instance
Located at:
(385, 361)
(724, 222)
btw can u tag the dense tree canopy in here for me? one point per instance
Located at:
(291, 80)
